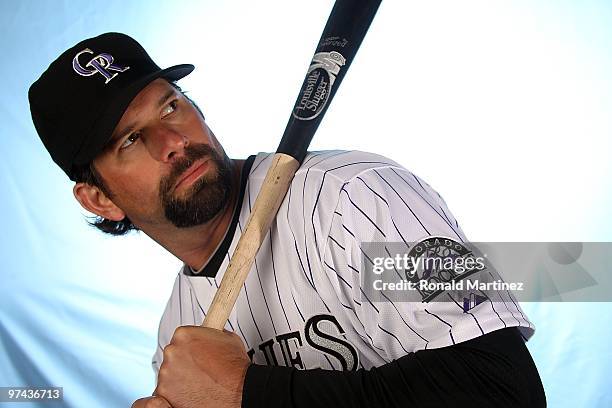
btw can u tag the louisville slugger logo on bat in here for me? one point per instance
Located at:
(313, 96)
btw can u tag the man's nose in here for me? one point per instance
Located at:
(165, 143)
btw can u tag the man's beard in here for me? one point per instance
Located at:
(206, 197)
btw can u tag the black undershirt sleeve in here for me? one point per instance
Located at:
(494, 370)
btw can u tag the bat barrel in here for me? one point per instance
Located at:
(345, 29)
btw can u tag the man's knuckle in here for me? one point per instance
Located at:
(180, 334)
(162, 373)
(169, 351)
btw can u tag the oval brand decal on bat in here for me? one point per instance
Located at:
(317, 86)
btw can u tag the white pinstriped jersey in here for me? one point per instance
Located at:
(302, 304)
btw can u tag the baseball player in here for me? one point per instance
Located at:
(304, 332)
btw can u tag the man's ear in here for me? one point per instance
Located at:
(95, 201)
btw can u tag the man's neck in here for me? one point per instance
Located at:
(196, 245)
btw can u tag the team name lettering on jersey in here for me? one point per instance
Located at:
(322, 333)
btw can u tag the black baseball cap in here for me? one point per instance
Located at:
(77, 102)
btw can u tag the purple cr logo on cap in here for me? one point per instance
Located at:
(102, 63)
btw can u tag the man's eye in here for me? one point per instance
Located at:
(171, 107)
(129, 140)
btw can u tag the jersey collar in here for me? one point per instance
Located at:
(210, 268)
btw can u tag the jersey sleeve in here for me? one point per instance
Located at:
(492, 370)
(391, 205)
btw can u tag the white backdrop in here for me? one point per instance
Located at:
(503, 107)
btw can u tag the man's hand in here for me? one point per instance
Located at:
(151, 402)
(203, 368)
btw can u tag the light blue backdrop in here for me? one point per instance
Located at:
(524, 86)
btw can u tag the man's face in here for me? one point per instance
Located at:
(163, 163)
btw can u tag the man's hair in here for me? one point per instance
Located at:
(88, 174)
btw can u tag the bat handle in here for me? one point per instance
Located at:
(266, 206)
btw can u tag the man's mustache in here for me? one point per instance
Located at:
(192, 154)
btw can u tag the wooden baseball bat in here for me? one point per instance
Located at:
(343, 33)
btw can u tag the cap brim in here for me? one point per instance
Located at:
(104, 127)
(175, 73)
